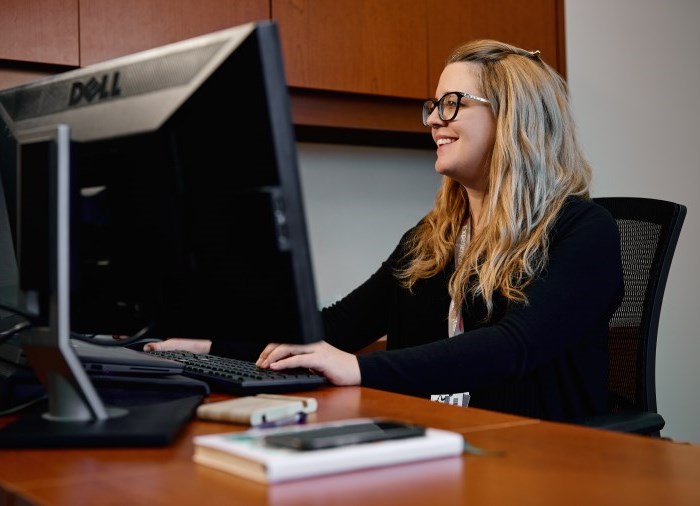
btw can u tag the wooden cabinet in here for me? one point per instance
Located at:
(375, 47)
(109, 29)
(40, 31)
(534, 24)
(37, 38)
(357, 69)
(372, 62)
(397, 49)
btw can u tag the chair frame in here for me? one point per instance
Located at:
(643, 417)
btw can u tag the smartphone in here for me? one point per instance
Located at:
(342, 435)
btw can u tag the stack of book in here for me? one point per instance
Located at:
(246, 453)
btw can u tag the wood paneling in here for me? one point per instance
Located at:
(111, 28)
(535, 24)
(40, 31)
(360, 46)
(355, 67)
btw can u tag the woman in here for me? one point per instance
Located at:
(513, 241)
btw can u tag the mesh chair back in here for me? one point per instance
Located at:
(649, 230)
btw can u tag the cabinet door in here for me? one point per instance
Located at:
(111, 28)
(533, 24)
(375, 47)
(39, 31)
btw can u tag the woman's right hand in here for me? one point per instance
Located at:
(340, 367)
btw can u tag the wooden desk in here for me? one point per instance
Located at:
(541, 463)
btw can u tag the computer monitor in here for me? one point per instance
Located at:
(160, 192)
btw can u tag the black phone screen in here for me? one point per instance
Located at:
(341, 435)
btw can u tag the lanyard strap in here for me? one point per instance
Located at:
(455, 323)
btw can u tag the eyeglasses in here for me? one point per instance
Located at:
(448, 105)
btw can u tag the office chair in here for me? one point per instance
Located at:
(649, 231)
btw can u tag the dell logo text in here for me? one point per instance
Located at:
(95, 89)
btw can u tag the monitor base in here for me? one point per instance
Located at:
(153, 424)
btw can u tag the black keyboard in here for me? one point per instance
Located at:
(240, 377)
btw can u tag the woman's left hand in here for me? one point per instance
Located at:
(340, 367)
(178, 343)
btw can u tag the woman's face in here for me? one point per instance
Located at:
(464, 144)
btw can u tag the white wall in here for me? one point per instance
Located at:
(359, 201)
(634, 74)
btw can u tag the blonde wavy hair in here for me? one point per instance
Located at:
(535, 164)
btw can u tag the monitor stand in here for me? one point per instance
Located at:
(145, 425)
(76, 415)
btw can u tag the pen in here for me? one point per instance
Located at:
(296, 418)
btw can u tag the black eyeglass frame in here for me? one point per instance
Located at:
(430, 105)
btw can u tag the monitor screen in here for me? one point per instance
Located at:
(186, 214)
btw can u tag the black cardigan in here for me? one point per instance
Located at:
(546, 359)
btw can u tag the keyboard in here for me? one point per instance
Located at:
(241, 377)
